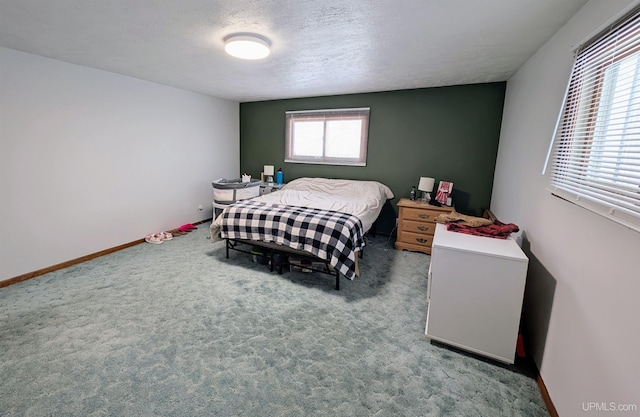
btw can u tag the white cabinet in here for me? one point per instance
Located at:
(475, 290)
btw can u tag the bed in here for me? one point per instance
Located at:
(318, 218)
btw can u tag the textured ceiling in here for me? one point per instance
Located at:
(319, 47)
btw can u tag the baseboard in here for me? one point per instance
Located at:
(546, 397)
(67, 264)
(532, 366)
(33, 274)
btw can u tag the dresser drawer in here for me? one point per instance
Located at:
(417, 239)
(418, 227)
(418, 214)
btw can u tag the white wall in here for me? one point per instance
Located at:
(91, 160)
(582, 301)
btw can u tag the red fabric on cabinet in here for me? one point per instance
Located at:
(496, 230)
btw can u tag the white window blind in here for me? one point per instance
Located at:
(334, 137)
(594, 158)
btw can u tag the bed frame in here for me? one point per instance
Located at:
(374, 195)
(283, 252)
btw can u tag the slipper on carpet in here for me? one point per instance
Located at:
(176, 232)
(187, 227)
(155, 238)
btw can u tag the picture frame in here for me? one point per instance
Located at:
(444, 192)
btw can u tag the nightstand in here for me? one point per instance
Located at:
(416, 226)
(266, 188)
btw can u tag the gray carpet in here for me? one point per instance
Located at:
(178, 330)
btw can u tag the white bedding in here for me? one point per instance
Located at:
(363, 199)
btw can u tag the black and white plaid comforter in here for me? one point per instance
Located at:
(332, 236)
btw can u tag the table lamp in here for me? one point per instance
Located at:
(426, 186)
(268, 173)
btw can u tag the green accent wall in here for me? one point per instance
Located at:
(448, 133)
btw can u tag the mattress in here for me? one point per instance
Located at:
(363, 199)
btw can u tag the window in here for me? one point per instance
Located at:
(594, 158)
(333, 137)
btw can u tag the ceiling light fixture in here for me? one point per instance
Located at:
(247, 46)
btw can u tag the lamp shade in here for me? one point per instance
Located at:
(268, 170)
(426, 184)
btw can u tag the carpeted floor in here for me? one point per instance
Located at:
(178, 330)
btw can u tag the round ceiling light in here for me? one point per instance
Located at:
(247, 46)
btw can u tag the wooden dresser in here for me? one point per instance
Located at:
(416, 226)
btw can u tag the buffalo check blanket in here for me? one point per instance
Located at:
(331, 236)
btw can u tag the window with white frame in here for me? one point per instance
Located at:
(333, 137)
(594, 158)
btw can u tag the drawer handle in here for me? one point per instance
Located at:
(423, 228)
(421, 240)
(423, 216)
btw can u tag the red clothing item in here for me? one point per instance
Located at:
(496, 230)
